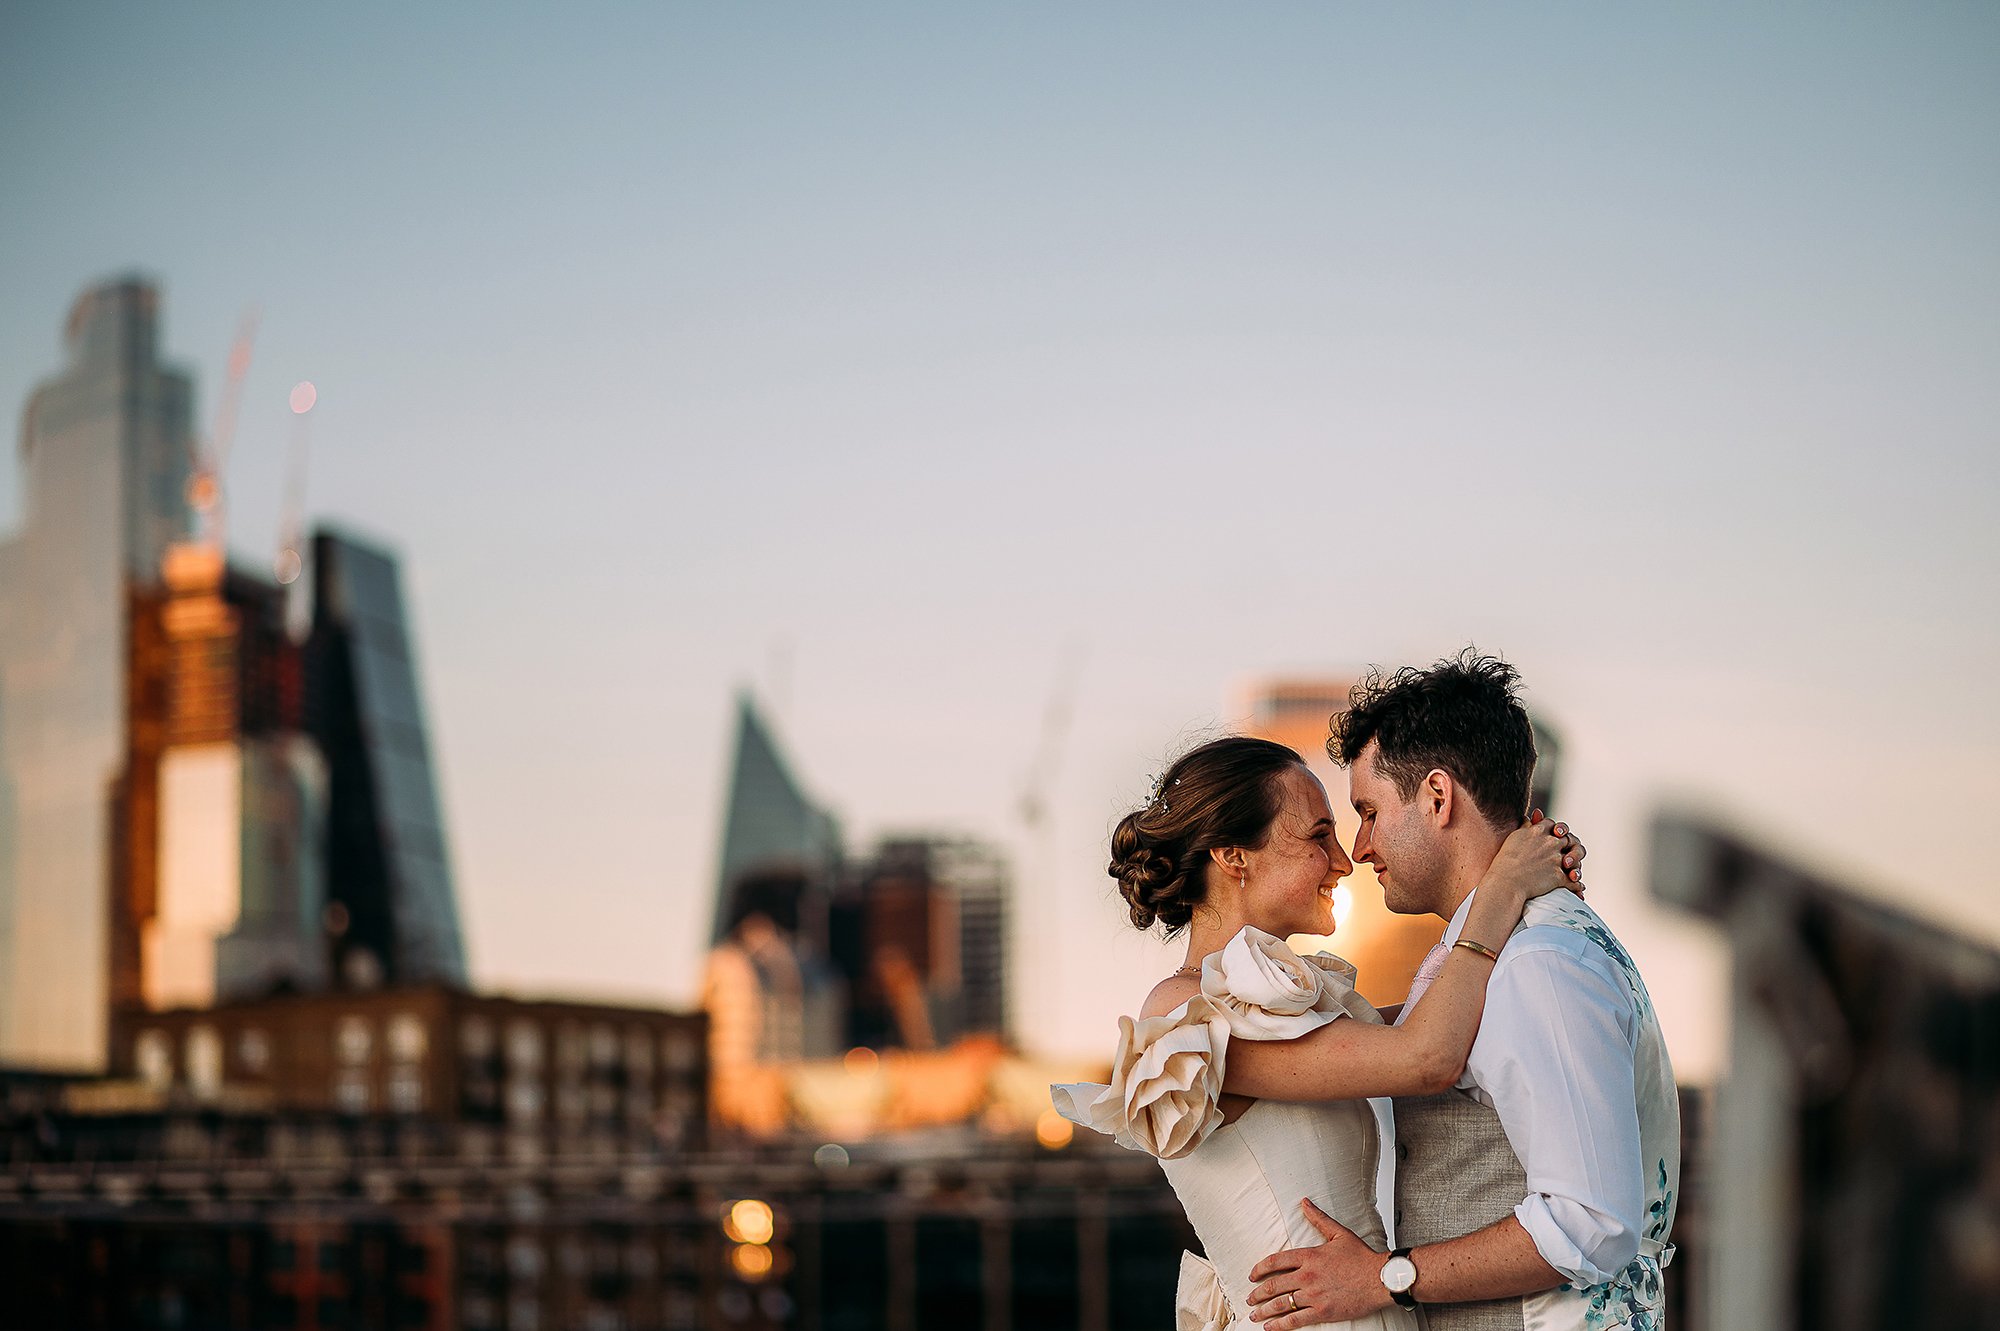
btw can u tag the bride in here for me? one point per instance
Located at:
(1236, 849)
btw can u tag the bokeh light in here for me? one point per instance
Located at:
(303, 397)
(752, 1261)
(750, 1221)
(1053, 1131)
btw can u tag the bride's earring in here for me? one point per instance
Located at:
(1242, 880)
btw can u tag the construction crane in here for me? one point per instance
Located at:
(1048, 753)
(207, 465)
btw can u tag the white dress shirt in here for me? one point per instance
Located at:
(1554, 1058)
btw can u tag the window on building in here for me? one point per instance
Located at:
(524, 1098)
(204, 1062)
(475, 1037)
(603, 1046)
(677, 1052)
(253, 1050)
(406, 1089)
(524, 1258)
(350, 1091)
(639, 1051)
(571, 1050)
(407, 1037)
(153, 1058)
(524, 1045)
(352, 1039)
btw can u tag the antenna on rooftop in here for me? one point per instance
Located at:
(291, 561)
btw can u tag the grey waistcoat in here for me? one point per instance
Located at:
(1455, 1173)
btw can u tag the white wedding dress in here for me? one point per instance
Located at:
(1241, 1182)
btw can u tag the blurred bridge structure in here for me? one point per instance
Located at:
(1851, 1175)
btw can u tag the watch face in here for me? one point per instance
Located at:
(1399, 1273)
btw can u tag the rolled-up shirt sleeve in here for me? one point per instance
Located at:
(1554, 1056)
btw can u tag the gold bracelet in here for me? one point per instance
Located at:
(1480, 948)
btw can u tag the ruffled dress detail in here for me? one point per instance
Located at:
(1241, 1193)
(1166, 1076)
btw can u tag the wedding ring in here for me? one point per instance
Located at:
(1293, 1295)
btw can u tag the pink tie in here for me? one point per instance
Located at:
(1433, 963)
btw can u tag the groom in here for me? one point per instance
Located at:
(1539, 1191)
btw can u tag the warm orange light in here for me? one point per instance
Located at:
(752, 1261)
(303, 397)
(1053, 1131)
(750, 1221)
(860, 1061)
(1343, 905)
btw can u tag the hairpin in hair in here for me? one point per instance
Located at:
(1159, 795)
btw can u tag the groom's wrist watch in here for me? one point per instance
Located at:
(1398, 1274)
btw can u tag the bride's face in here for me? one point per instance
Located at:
(1288, 883)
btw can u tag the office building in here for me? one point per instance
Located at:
(106, 455)
(393, 907)
(780, 851)
(919, 932)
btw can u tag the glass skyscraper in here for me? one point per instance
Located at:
(106, 455)
(389, 871)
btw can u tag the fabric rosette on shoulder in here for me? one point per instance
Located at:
(1270, 992)
(1166, 1082)
(1166, 1078)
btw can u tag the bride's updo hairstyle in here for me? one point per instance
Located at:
(1224, 793)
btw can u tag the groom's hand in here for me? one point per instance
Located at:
(1338, 1281)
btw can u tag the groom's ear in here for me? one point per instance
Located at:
(1440, 796)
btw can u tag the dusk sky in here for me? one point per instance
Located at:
(885, 358)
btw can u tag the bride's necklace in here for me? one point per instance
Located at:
(1189, 970)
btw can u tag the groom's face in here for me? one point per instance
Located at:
(1396, 839)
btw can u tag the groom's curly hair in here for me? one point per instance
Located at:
(1462, 716)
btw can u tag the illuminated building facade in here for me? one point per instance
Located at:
(237, 873)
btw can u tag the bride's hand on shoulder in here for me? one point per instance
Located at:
(1537, 858)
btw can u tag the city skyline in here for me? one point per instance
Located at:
(878, 360)
(208, 789)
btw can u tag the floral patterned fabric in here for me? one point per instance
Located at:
(1635, 1299)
